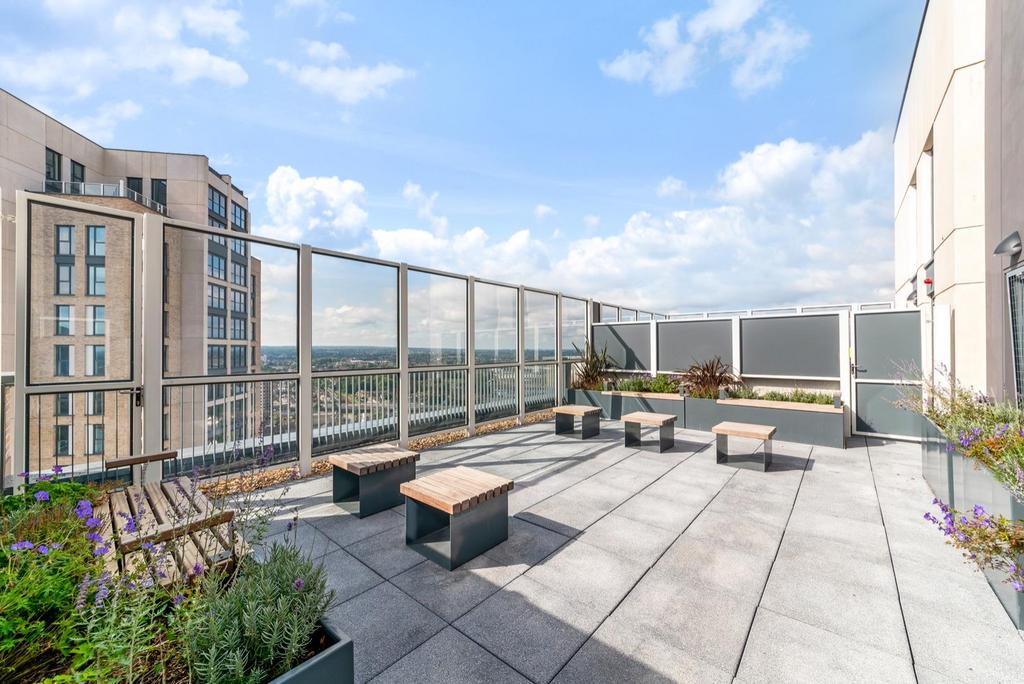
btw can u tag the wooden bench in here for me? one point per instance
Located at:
(565, 419)
(173, 514)
(750, 430)
(366, 479)
(665, 422)
(454, 515)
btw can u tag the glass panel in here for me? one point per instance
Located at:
(263, 302)
(497, 393)
(437, 400)
(355, 314)
(496, 313)
(539, 326)
(353, 410)
(1015, 282)
(437, 320)
(539, 382)
(609, 314)
(643, 316)
(574, 326)
(627, 315)
(81, 269)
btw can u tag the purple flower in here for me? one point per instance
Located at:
(84, 509)
(1017, 585)
(58, 469)
(178, 599)
(148, 546)
(101, 594)
(978, 510)
(42, 495)
(197, 569)
(290, 525)
(93, 522)
(83, 591)
(43, 549)
(100, 550)
(54, 547)
(298, 584)
(94, 537)
(24, 473)
(22, 546)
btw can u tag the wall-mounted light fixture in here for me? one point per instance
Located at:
(1009, 246)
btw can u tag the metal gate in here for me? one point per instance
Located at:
(886, 352)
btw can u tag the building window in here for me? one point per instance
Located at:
(158, 190)
(63, 324)
(95, 320)
(94, 403)
(238, 356)
(215, 266)
(215, 357)
(238, 327)
(64, 275)
(238, 216)
(238, 274)
(96, 284)
(215, 326)
(239, 247)
(62, 404)
(63, 361)
(95, 360)
(97, 239)
(214, 392)
(53, 164)
(95, 445)
(65, 240)
(254, 348)
(216, 296)
(237, 302)
(61, 440)
(134, 184)
(217, 202)
(77, 172)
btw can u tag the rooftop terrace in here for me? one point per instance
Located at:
(627, 565)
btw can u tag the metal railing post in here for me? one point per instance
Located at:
(471, 356)
(654, 348)
(521, 343)
(19, 455)
(305, 388)
(404, 390)
(559, 371)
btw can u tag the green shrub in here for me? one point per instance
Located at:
(260, 625)
(634, 384)
(797, 395)
(704, 379)
(664, 383)
(743, 392)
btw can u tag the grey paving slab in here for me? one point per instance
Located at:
(531, 627)
(965, 592)
(715, 567)
(346, 576)
(452, 593)
(588, 574)
(310, 541)
(629, 538)
(344, 528)
(386, 552)
(781, 649)
(384, 625)
(667, 513)
(449, 657)
(527, 545)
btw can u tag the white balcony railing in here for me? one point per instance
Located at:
(102, 190)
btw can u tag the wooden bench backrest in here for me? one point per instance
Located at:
(135, 460)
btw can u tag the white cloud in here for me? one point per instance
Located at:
(669, 63)
(101, 125)
(542, 211)
(326, 52)
(326, 10)
(766, 55)
(592, 221)
(413, 192)
(770, 171)
(347, 85)
(670, 186)
(209, 20)
(317, 208)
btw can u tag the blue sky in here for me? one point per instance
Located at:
(674, 155)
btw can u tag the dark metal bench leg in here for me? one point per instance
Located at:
(767, 454)
(371, 493)
(666, 437)
(633, 434)
(591, 426)
(452, 540)
(564, 424)
(346, 486)
(721, 449)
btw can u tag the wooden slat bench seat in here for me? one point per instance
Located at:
(762, 433)
(172, 515)
(366, 480)
(665, 422)
(454, 515)
(590, 419)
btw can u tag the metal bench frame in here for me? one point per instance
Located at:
(565, 424)
(451, 540)
(666, 436)
(363, 495)
(722, 451)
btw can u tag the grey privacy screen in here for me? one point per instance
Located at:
(683, 343)
(805, 346)
(629, 345)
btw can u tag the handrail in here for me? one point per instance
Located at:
(90, 189)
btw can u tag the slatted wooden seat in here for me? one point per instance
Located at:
(665, 422)
(454, 515)
(762, 433)
(366, 479)
(173, 515)
(565, 419)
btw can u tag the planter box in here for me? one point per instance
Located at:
(615, 404)
(957, 481)
(332, 665)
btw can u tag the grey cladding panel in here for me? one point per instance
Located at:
(682, 343)
(805, 346)
(888, 344)
(877, 411)
(629, 345)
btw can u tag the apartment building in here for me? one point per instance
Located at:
(958, 161)
(82, 270)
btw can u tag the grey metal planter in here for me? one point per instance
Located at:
(958, 481)
(702, 414)
(333, 665)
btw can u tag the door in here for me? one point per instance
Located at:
(77, 396)
(887, 360)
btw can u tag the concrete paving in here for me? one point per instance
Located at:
(628, 565)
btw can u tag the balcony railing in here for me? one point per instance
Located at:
(102, 190)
